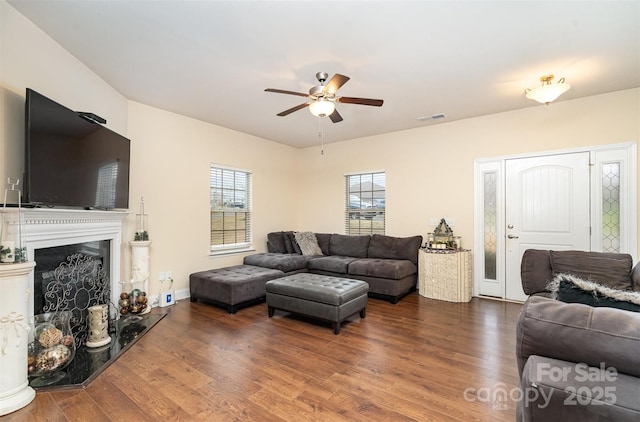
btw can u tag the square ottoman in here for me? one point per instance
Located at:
(332, 299)
(232, 287)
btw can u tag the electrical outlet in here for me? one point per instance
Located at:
(169, 275)
(162, 276)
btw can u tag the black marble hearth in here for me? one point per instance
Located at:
(88, 363)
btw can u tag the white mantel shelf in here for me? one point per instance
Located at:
(40, 221)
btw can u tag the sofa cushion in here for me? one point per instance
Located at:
(535, 270)
(572, 289)
(276, 242)
(277, 261)
(578, 333)
(389, 247)
(343, 245)
(323, 242)
(334, 264)
(635, 277)
(386, 268)
(560, 391)
(308, 243)
(610, 269)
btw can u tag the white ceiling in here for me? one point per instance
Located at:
(212, 60)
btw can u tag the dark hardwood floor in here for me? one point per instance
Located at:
(419, 360)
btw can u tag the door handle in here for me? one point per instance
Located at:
(512, 236)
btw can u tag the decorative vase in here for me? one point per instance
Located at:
(98, 322)
(52, 349)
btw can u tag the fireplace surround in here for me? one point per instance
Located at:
(49, 228)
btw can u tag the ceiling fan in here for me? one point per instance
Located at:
(323, 97)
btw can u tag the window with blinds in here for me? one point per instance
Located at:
(230, 209)
(365, 202)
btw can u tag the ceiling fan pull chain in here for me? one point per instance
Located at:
(321, 135)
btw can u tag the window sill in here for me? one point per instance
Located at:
(214, 254)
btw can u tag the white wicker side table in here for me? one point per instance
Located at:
(445, 275)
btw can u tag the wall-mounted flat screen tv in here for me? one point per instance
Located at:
(72, 162)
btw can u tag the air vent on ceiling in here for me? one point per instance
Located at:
(432, 117)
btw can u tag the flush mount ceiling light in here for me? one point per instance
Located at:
(322, 107)
(548, 91)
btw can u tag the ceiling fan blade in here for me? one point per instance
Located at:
(282, 91)
(292, 109)
(335, 116)
(335, 83)
(362, 101)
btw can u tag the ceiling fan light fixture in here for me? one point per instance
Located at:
(322, 107)
(547, 92)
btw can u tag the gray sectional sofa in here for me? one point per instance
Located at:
(578, 356)
(388, 264)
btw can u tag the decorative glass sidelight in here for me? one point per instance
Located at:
(611, 207)
(490, 212)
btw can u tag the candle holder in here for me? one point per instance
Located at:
(141, 232)
(12, 248)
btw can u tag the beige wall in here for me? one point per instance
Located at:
(429, 170)
(170, 156)
(31, 59)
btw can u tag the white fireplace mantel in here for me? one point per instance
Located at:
(46, 228)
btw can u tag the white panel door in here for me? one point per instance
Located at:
(546, 207)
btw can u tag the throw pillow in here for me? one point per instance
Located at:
(308, 243)
(570, 289)
(291, 244)
(276, 242)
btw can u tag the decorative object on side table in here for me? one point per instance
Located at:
(442, 238)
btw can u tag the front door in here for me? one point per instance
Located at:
(546, 207)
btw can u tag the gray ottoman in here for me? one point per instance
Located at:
(332, 299)
(231, 287)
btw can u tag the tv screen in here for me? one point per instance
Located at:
(71, 161)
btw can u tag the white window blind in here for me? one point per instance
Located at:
(230, 209)
(365, 203)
